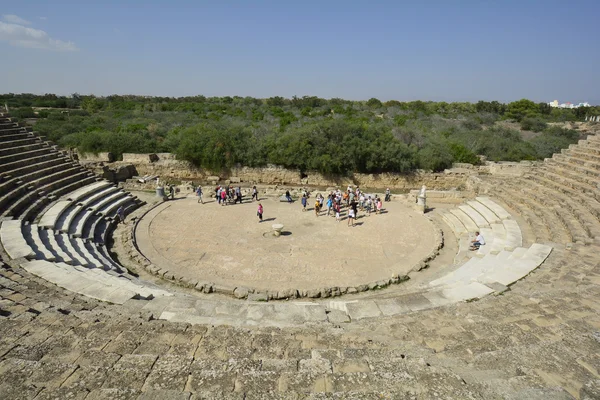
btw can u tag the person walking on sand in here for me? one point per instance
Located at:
(337, 208)
(254, 193)
(121, 214)
(199, 194)
(304, 201)
(317, 207)
(351, 216)
(223, 197)
(259, 212)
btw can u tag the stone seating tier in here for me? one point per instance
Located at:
(28, 163)
(17, 149)
(14, 136)
(19, 140)
(500, 234)
(25, 173)
(55, 184)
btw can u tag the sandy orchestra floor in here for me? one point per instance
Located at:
(227, 244)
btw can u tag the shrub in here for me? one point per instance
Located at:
(533, 124)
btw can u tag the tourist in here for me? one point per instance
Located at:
(478, 242)
(171, 192)
(254, 193)
(288, 196)
(223, 196)
(121, 214)
(354, 207)
(351, 217)
(361, 201)
(329, 204)
(337, 208)
(304, 201)
(379, 205)
(369, 205)
(199, 194)
(259, 212)
(218, 194)
(388, 194)
(317, 207)
(238, 195)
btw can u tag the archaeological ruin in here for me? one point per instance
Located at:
(198, 301)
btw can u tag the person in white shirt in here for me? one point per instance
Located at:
(478, 242)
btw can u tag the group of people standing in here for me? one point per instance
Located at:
(353, 199)
(224, 194)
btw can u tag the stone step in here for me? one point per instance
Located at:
(479, 220)
(76, 229)
(25, 165)
(78, 282)
(514, 237)
(49, 238)
(468, 223)
(32, 235)
(518, 269)
(25, 156)
(65, 244)
(18, 149)
(89, 190)
(53, 184)
(454, 223)
(51, 216)
(488, 214)
(109, 210)
(494, 207)
(12, 131)
(80, 246)
(13, 241)
(19, 140)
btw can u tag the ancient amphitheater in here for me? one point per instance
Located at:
(518, 320)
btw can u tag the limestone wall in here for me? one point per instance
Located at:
(166, 166)
(95, 158)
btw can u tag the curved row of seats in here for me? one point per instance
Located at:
(561, 199)
(59, 214)
(501, 260)
(500, 231)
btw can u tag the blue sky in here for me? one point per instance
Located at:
(404, 50)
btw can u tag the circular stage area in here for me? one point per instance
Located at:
(227, 246)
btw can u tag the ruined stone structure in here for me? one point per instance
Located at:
(519, 319)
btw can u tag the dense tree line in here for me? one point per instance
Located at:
(333, 136)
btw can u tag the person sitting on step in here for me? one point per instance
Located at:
(478, 242)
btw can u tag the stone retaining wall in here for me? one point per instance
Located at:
(168, 168)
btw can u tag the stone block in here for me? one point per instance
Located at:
(241, 292)
(258, 296)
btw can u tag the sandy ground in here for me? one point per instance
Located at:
(227, 244)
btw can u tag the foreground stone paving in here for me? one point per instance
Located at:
(539, 340)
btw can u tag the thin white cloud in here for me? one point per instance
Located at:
(13, 19)
(43, 18)
(22, 36)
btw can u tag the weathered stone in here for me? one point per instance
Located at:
(260, 296)
(221, 289)
(287, 294)
(241, 292)
(313, 293)
(362, 288)
(590, 390)
(169, 275)
(352, 290)
(325, 292)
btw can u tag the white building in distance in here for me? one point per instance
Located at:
(568, 104)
